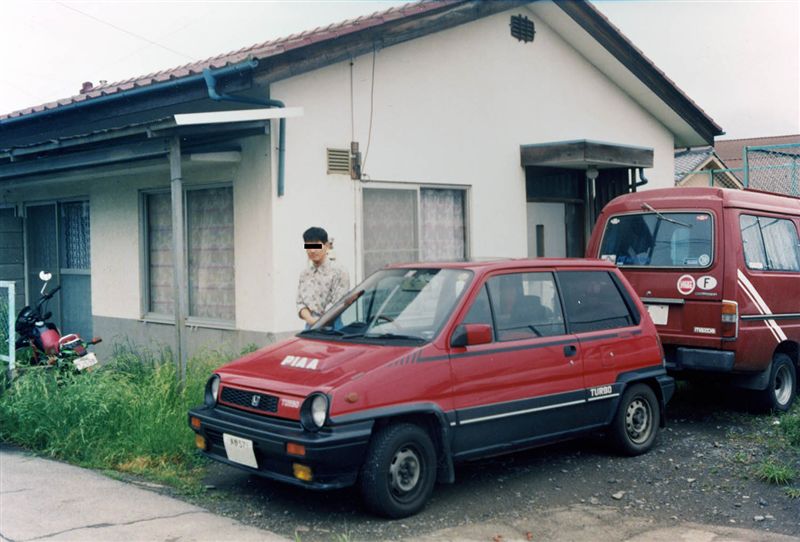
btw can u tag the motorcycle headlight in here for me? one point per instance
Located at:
(314, 412)
(212, 390)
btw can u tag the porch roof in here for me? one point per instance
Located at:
(583, 154)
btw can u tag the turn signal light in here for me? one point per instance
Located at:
(295, 449)
(200, 441)
(302, 472)
(730, 319)
(195, 423)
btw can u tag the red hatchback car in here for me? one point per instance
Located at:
(422, 366)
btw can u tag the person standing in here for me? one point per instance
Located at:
(323, 283)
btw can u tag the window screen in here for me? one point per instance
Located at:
(592, 301)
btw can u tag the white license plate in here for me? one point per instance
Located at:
(240, 450)
(84, 362)
(659, 314)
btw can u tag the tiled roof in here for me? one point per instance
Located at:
(730, 150)
(258, 51)
(690, 159)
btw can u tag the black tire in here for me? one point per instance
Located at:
(782, 388)
(399, 471)
(636, 422)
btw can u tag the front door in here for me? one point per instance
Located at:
(57, 241)
(547, 230)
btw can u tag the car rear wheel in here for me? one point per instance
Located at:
(636, 422)
(782, 388)
(399, 472)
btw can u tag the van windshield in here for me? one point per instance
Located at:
(659, 239)
(395, 304)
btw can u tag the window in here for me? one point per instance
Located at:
(593, 302)
(209, 246)
(408, 225)
(770, 244)
(525, 305)
(665, 239)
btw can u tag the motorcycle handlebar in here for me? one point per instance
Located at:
(50, 294)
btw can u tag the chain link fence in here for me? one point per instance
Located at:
(773, 168)
(7, 324)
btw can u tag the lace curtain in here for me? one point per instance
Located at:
(209, 232)
(75, 233)
(443, 231)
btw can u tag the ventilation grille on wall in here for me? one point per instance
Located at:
(338, 162)
(522, 28)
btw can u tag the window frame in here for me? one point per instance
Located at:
(417, 188)
(144, 259)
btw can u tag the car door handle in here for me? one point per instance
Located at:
(570, 350)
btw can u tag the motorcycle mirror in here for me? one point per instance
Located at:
(45, 276)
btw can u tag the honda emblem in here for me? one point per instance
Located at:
(255, 400)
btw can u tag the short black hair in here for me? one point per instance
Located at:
(315, 233)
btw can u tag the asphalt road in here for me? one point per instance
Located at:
(699, 472)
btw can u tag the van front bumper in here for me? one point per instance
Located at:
(334, 454)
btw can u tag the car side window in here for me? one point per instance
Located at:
(525, 305)
(593, 302)
(770, 244)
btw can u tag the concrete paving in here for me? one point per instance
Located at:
(42, 499)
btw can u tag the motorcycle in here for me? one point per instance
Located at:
(48, 346)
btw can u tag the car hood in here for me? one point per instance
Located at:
(299, 366)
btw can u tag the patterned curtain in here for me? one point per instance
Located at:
(390, 227)
(75, 234)
(443, 228)
(780, 240)
(210, 243)
(159, 252)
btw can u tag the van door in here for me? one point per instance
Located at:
(768, 281)
(673, 259)
(527, 383)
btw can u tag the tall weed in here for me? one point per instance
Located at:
(129, 415)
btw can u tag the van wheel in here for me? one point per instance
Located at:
(399, 471)
(782, 388)
(635, 424)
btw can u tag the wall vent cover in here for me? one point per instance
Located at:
(522, 28)
(338, 162)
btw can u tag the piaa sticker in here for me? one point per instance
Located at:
(686, 284)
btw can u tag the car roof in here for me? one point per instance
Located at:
(488, 265)
(697, 197)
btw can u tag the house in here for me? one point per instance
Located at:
(437, 130)
(700, 166)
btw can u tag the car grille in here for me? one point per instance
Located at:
(247, 399)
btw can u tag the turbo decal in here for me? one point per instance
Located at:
(758, 301)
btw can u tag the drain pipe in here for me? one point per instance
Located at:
(211, 83)
(644, 180)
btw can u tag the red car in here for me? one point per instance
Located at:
(422, 366)
(719, 272)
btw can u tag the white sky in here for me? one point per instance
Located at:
(739, 61)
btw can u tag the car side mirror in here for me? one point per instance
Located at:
(471, 335)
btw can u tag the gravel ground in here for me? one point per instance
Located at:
(702, 470)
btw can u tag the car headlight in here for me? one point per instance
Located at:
(212, 390)
(314, 411)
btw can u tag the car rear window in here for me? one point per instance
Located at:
(659, 239)
(593, 302)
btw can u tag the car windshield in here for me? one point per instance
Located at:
(659, 239)
(395, 304)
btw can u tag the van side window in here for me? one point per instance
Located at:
(593, 302)
(525, 305)
(770, 244)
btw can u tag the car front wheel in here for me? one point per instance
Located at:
(636, 422)
(399, 472)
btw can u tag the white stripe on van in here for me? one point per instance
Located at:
(753, 294)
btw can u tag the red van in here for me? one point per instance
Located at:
(422, 366)
(719, 272)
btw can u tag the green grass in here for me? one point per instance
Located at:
(128, 416)
(776, 472)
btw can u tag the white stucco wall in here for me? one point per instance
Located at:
(449, 108)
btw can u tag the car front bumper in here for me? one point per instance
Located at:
(334, 454)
